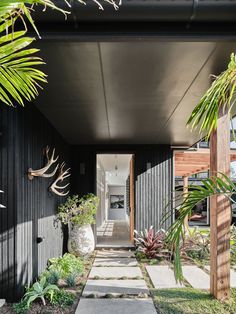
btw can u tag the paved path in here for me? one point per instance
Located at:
(162, 277)
(197, 278)
(105, 281)
(116, 284)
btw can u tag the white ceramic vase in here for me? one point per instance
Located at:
(81, 240)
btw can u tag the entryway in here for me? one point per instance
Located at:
(115, 190)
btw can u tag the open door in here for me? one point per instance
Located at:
(131, 199)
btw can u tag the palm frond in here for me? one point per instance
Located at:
(215, 185)
(19, 75)
(220, 96)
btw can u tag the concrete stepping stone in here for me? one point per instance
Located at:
(115, 253)
(115, 261)
(115, 272)
(232, 277)
(162, 277)
(115, 287)
(197, 278)
(117, 306)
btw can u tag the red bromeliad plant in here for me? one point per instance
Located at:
(151, 244)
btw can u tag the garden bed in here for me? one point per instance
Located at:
(66, 303)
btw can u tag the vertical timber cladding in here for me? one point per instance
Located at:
(31, 208)
(153, 178)
(8, 214)
(153, 186)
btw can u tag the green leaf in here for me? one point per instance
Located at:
(31, 299)
(219, 97)
(215, 185)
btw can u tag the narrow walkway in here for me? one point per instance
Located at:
(115, 285)
(114, 233)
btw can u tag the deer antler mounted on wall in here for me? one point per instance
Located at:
(42, 172)
(62, 175)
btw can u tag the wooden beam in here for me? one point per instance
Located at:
(188, 163)
(220, 212)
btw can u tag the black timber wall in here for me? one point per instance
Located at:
(153, 186)
(30, 207)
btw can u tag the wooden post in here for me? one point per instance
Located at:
(185, 190)
(220, 212)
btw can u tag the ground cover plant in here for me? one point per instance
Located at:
(191, 301)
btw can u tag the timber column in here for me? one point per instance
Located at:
(220, 212)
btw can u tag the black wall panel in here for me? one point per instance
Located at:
(30, 207)
(153, 178)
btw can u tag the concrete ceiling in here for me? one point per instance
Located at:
(115, 166)
(127, 92)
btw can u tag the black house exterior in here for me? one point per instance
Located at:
(119, 82)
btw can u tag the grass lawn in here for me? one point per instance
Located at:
(191, 301)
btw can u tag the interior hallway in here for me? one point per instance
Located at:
(114, 233)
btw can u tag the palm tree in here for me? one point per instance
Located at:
(20, 77)
(219, 97)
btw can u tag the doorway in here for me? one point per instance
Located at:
(115, 189)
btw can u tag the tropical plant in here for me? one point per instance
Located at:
(216, 185)
(196, 245)
(219, 97)
(66, 265)
(79, 211)
(20, 77)
(151, 243)
(38, 291)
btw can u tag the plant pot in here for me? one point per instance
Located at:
(81, 240)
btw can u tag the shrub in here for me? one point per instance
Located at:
(196, 245)
(66, 265)
(140, 255)
(21, 307)
(63, 298)
(71, 279)
(151, 244)
(79, 211)
(52, 276)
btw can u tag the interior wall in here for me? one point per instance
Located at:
(101, 193)
(117, 213)
(30, 208)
